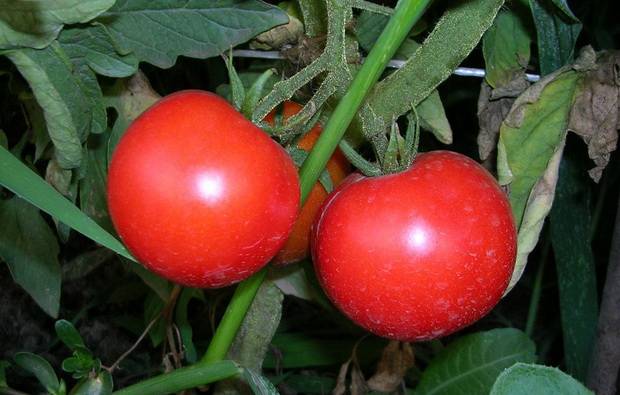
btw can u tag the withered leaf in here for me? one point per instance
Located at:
(493, 106)
(595, 113)
(357, 384)
(396, 359)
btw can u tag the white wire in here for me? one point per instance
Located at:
(394, 63)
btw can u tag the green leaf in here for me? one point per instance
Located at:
(259, 384)
(101, 384)
(454, 37)
(432, 117)
(67, 333)
(574, 260)
(506, 47)
(40, 368)
(531, 133)
(65, 106)
(527, 379)
(36, 23)
(97, 49)
(93, 195)
(556, 36)
(258, 327)
(29, 247)
(18, 178)
(368, 27)
(471, 364)
(529, 151)
(191, 28)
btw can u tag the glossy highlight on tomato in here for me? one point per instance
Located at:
(199, 194)
(297, 245)
(419, 254)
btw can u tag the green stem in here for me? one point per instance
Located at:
(183, 378)
(537, 290)
(233, 317)
(406, 14)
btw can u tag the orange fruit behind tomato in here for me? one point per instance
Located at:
(297, 246)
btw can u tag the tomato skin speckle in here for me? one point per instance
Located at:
(199, 194)
(413, 264)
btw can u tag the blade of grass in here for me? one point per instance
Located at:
(18, 178)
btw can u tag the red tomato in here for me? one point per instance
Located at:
(419, 254)
(199, 194)
(298, 244)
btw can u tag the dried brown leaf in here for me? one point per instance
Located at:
(396, 359)
(357, 385)
(595, 114)
(493, 106)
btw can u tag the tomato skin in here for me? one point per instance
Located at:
(199, 194)
(297, 246)
(419, 254)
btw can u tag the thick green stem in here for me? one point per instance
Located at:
(406, 14)
(184, 378)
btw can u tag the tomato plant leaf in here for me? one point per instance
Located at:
(570, 222)
(595, 117)
(506, 46)
(556, 35)
(258, 327)
(259, 384)
(432, 117)
(471, 364)
(57, 90)
(36, 24)
(453, 38)
(18, 178)
(529, 135)
(29, 247)
(525, 379)
(493, 107)
(95, 46)
(192, 28)
(40, 368)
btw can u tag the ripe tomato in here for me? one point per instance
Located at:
(199, 194)
(419, 254)
(297, 246)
